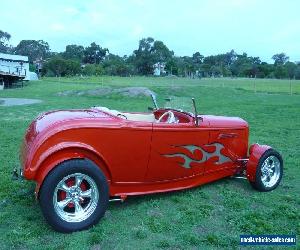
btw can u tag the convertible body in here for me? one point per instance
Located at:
(82, 158)
(137, 156)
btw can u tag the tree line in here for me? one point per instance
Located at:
(95, 60)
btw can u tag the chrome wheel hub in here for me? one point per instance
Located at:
(270, 171)
(75, 197)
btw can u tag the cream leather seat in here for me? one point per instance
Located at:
(129, 116)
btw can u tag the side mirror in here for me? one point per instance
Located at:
(150, 108)
(168, 99)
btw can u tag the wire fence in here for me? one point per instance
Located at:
(255, 85)
(250, 84)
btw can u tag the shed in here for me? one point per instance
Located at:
(13, 68)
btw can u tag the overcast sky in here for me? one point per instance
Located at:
(258, 27)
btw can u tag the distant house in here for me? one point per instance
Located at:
(39, 63)
(13, 65)
(159, 69)
(14, 68)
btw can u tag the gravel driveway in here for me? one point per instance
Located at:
(17, 101)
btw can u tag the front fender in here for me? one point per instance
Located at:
(255, 152)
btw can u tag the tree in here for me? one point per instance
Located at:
(93, 70)
(245, 65)
(148, 53)
(265, 70)
(116, 65)
(143, 58)
(290, 68)
(254, 68)
(297, 72)
(230, 57)
(280, 72)
(184, 66)
(172, 67)
(61, 67)
(74, 52)
(94, 53)
(4, 39)
(160, 52)
(56, 65)
(33, 49)
(197, 59)
(280, 59)
(216, 70)
(72, 68)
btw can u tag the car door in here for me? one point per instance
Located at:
(176, 151)
(125, 147)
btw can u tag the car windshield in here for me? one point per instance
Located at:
(180, 103)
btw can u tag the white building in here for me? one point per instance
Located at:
(14, 68)
(13, 65)
(159, 69)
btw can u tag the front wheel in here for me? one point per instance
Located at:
(74, 195)
(269, 171)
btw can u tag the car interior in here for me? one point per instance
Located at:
(158, 116)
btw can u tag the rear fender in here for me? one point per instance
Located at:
(255, 153)
(65, 154)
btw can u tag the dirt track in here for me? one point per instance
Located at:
(104, 91)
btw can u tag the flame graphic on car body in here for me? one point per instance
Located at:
(205, 155)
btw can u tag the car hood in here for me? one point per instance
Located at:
(225, 122)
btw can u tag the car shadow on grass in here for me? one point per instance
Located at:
(228, 183)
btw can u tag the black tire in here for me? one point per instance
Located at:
(258, 184)
(47, 193)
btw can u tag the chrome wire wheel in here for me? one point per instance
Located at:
(75, 197)
(270, 171)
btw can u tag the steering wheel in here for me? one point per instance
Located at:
(171, 117)
(123, 116)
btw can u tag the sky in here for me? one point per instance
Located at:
(258, 27)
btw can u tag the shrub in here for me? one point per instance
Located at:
(60, 67)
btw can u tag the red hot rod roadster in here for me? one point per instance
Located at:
(80, 159)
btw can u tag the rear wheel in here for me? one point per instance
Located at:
(74, 195)
(269, 171)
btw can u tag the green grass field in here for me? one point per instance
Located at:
(208, 217)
